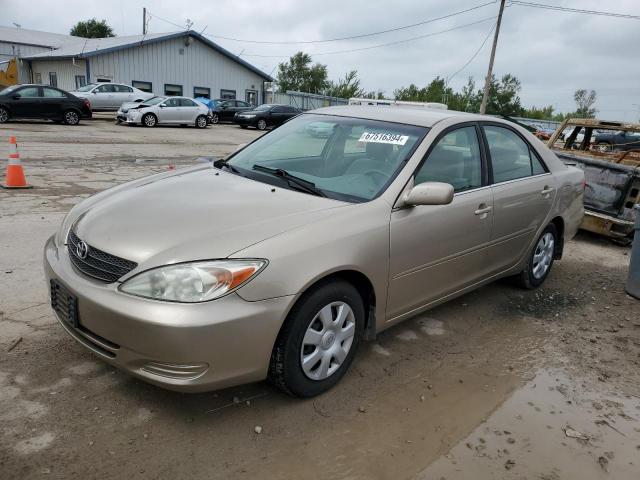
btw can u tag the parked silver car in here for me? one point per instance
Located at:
(166, 110)
(279, 261)
(109, 96)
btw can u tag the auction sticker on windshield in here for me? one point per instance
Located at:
(380, 137)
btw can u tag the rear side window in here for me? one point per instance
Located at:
(511, 156)
(52, 92)
(455, 159)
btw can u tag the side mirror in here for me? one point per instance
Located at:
(162, 105)
(95, 92)
(430, 193)
(16, 96)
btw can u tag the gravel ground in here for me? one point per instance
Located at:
(500, 383)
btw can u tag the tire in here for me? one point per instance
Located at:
(262, 124)
(244, 126)
(537, 269)
(4, 115)
(201, 121)
(149, 120)
(215, 118)
(328, 354)
(604, 147)
(71, 117)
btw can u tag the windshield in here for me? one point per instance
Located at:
(350, 159)
(9, 89)
(86, 88)
(154, 100)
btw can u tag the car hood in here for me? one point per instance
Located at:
(195, 214)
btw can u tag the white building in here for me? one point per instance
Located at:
(180, 63)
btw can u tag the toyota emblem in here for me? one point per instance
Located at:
(82, 249)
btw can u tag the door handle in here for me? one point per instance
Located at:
(482, 209)
(546, 190)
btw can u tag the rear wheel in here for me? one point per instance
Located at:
(71, 117)
(215, 118)
(318, 341)
(541, 259)
(149, 120)
(262, 124)
(4, 115)
(201, 121)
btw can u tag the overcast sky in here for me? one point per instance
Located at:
(552, 53)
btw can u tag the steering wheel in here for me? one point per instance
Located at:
(377, 173)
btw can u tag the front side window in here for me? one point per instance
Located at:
(511, 156)
(172, 102)
(87, 88)
(106, 88)
(317, 149)
(29, 92)
(455, 159)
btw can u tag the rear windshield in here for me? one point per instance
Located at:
(350, 159)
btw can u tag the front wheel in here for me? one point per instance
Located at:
(201, 121)
(262, 124)
(71, 117)
(318, 341)
(149, 120)
(541, 259)
(4, 115)
(215, 119)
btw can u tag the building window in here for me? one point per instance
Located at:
(172, 90)
(228, 94)
(251, 96)
(202, 92)
(103, 80)
(81, 81)
(53, 79)
(144, 86)
(39, 78)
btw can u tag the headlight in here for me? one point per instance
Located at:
(193, 282)
(248, 116)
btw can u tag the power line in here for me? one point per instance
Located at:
(153, 15)
(474, 55)
(353, 37)
(559, 8)
(419, 37)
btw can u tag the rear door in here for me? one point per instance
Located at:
(436, 250)
(53, 102)
(189, 110)
(122, 93)
(27, 102)
(523, 193)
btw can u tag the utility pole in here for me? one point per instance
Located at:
(144, 20)
(487, 83)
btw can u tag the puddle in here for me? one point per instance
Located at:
(552, 428)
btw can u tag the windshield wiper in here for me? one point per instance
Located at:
(223, 163)
(292, 180)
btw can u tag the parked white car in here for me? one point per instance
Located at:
(109, 96)
(168, 110)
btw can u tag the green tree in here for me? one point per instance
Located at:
(584, 102)
(346, 87)
(503, 96)
(92, 29)
(300, 75)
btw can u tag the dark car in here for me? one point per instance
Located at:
(42, 101)
(224, 110)
(267, 115)
(620, 140)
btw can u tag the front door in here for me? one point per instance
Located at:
(171, 112)
(523, 193)
(439, 249)
(26, 102)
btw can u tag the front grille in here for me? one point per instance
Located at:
(64, 304)
(98, 264)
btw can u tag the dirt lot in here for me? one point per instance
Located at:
(501, 383)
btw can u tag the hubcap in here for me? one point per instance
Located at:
(3, 115)
(215, 119)
(202, 121)
(262, 124)
(327, 341)
(150, 121)
(543, 255)
(71, 117)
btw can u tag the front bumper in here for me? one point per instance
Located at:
(183, 347)
(244, 120)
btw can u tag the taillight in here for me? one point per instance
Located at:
(87, 103)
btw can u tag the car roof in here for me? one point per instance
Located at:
(424, 117)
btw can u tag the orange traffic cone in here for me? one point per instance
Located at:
(15, 174)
